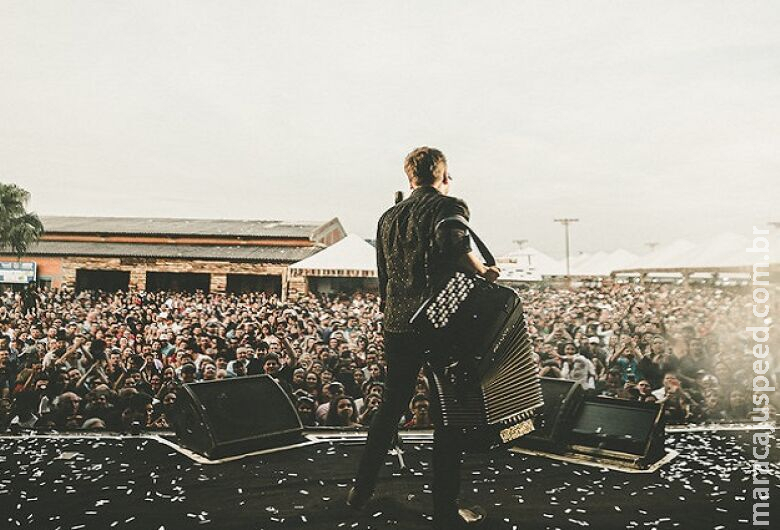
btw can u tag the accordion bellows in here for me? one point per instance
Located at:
(478, 329)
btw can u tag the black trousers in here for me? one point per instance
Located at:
(404, 357)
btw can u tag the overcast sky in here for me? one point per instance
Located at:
(646, 120)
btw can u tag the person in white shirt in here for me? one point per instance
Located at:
(577, 367)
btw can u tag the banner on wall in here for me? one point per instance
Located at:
(17, 271)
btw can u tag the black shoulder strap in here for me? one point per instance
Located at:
(461, 221)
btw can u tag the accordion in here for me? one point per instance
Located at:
(480, 361)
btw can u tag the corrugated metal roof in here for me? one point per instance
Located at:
(273, 254)
(162, 226)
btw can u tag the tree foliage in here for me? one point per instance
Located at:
(18, 227)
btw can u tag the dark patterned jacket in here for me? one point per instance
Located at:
(404, 236)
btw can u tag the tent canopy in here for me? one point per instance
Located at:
(725, 251)
(352, 256)
(528, 264)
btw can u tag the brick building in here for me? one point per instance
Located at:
(182, 254)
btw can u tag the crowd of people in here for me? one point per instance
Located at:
(95, 360)
(683, 346)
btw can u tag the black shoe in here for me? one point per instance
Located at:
(464, 518)
(357, 500)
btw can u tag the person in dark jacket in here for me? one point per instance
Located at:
(413, 257)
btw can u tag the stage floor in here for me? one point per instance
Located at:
(135, 482)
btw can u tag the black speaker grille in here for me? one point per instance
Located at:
(616, 425)
(235, 415)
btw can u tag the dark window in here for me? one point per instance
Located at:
(178, 281)
(101, 280)
(249, 283)
(342, 285)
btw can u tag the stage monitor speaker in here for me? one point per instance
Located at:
(235, 416)
(562, 400)
(629, 431)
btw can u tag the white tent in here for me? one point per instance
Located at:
(352, 256)
(527, 264)
(618, 259)
(530, 264)
(725, 251)
(589, 264)
(662, 256)
(602, 263)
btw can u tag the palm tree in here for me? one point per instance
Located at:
(18, 228)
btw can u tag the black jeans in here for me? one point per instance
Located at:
(404, 356)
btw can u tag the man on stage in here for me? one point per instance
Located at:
(412, 258)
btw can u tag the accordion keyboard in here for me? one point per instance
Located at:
(482, 324)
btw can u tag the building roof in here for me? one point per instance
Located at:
(184, 227)
(352, 256)
(273, 254)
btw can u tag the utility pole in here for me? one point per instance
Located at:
(566, 222)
